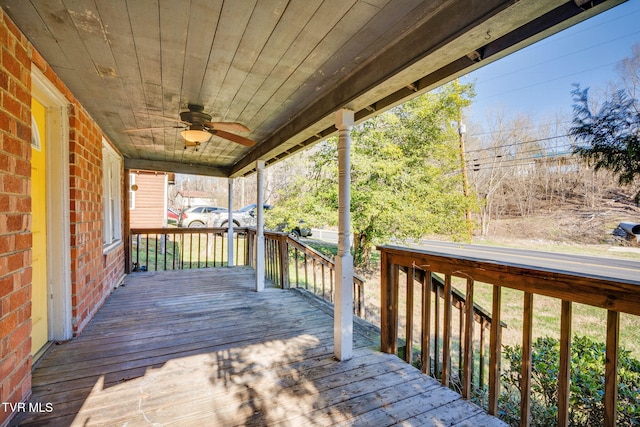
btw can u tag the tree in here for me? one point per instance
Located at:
(405, 179)
(610, 137)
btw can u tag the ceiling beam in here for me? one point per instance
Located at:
(176, 167)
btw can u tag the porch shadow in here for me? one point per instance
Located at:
(201, 348)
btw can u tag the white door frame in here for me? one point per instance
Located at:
(58, 205)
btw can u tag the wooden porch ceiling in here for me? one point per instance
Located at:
(282, 68)
(200, 347)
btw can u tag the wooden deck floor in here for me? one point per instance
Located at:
(201, 348)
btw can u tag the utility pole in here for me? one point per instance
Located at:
(465, 182)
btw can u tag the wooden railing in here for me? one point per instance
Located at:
(288, 262)
(291, 263)
(616, 296)
(154, 249)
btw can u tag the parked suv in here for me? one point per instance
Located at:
(197, 216)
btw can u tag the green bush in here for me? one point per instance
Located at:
(586, 390)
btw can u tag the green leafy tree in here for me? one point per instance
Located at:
(610, 137)
(405, 179)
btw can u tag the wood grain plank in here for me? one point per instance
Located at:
(426, 322)
(467, 375)
(180, 347)
(495, 344)
(611, 368)
(564, 374)
(527, 346)
(446, 335)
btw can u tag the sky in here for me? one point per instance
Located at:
(537, 80)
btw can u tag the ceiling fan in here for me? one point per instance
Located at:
(198, 128)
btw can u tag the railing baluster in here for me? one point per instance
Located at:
(138, 244)
(306, 275)
(436, 333)
(173, 255)
(426, 323)
(446, 336)
(155, 258)
(482, 358)
(467, 374)
(527, 344)
(460, 307)
(408, 354)
(611, 368)
(564, 374)
(495, 343)
(146, 260)
(315, 281)
(166, 250)
(388, 306)
(297, 267)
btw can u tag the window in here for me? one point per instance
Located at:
(111, 182)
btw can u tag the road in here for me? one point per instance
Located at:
(582, 265)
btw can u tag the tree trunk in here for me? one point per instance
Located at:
(361, 249)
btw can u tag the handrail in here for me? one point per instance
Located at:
(615, 294)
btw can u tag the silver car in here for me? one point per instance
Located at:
(197, 216)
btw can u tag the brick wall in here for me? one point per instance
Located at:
(93, 273)
(15, 215)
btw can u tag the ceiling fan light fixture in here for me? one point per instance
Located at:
(195, 134)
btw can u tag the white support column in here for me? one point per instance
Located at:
(343, 304)
(260, 227)
(230, 253)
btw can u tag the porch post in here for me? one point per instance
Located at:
(343, 304)
(260, 227)
(230, 225)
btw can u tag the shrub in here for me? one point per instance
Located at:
(586, 389)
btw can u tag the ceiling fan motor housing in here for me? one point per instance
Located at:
(195, 115)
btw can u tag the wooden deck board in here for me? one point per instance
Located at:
(200, 347)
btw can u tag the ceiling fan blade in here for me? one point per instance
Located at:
(235, 138)
(153, 128)
(228, 126)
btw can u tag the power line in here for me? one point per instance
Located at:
(517, 143)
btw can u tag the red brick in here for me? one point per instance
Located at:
(5, 203)
(26, 277)
(6, 286)
(11, 184)
(20, 335)
(18, 299)
(7, 366)
(23, 131)
(14, 223)
(23, 241)
(11, 64)
(14, 262)
(23, 205)
(22, 56)
(8, 324)
(7, 244)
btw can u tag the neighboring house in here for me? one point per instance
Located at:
(148, 199)
(61, 221)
